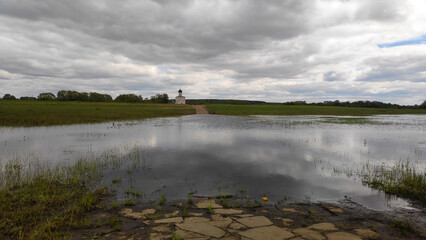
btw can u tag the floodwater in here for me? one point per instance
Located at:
(293, 158)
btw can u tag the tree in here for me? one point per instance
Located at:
(423, 105)
(8, 96)
(128, 98)
(46, 97)
(160, 98)
(97, 97)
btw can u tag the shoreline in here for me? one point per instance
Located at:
(205, 218)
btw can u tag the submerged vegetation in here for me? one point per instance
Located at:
(401, 180)
(46, 113)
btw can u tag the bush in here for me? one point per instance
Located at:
(160, 98)
(128, 98)
(8, 96)
(46, 97)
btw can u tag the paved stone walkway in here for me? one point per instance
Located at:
(232, 224)
(200, 109)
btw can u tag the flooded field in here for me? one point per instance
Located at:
(297, 158)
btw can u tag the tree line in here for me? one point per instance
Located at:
(69, 95)
(362, 104)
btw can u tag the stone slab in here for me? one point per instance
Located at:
(207, 203)
(367, 233)
(127, 212)
(292, 210)
(169, 220)
(162, 228)
(342, 236)
(227, 211)
(334, 209)
(172, 214)
(267, 233)
(287, 221)
(188, 235)
(257, 221)
(323, 227)
(309, 234)
(236, 226)
(224, 223)
(195, 219)
(202, 228)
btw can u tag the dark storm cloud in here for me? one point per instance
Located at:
(116, 46)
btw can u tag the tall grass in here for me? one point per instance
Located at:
(401, 179)
(38, 202)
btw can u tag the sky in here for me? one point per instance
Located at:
(275, 51)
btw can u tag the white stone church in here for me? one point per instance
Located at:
(180, 99)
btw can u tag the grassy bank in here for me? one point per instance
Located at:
(242, 110)
(38, 202)
(36, 113)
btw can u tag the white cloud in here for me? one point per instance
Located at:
(274, 51)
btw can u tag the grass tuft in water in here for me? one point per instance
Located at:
(401, 180)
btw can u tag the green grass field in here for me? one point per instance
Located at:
(36, 113)
(244, 110)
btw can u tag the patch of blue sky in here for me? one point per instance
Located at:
(417, 41)
(163, 68)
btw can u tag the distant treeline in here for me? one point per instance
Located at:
(364, 104)
(68, 95)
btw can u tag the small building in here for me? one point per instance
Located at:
(180, 99)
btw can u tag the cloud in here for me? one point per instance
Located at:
(246, 49)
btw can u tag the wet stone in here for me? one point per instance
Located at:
(227, 211)
(162, 228)
(257, 221)
(334, 209)
(367, 233)
(323, 227)
(207, 203)
(188, 235)
(287, 221)
(173, 214)
(309, 234)
(196, 219)
(267, 233)
(342, 236)
(236, 226)
(292, 210)
(221, 223)
(127, 212)
(196, 214)
(202, 228)
(169, 220)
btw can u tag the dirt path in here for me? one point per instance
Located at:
(201, 109)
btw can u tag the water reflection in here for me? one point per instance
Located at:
(294, 158)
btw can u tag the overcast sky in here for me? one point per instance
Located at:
(260, 50)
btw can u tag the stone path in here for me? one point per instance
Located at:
(200, 109)
(239, 223)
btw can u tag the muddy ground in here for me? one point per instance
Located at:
(204, 218)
